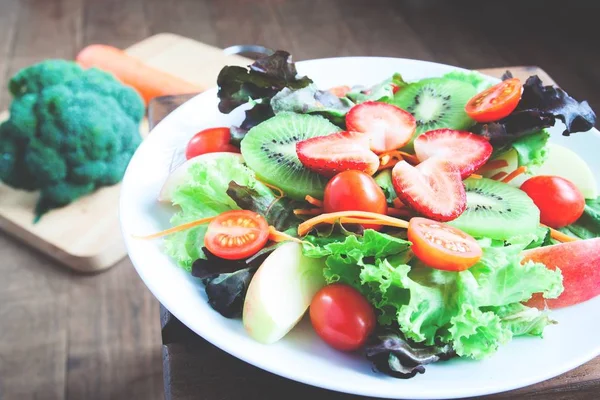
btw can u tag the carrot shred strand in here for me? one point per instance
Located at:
(350, 217)
(514, 174)
(280, 193)
(499, 175)
(491, 165)
(278, 237)
(390, 164)
(398, 203)
(558, 235)
(475, 176)
(306, 211)
(411, 158)
(313, 201)
(175, 229)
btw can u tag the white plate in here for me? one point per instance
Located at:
(301, 355)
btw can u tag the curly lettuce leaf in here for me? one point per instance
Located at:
(522, 320)
(384, 180)
(588, 225)
(383, 91)
(478, 80)
(204, 194)
(532, 150)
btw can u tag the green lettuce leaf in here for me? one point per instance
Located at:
(204, 194)
(532, 150)
(384, 180)
(383, 91)
(588, 225)
(476, 79)
(522, 320)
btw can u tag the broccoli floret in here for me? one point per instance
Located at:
(70, 131)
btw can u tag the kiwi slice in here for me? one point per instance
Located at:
(270, 150)
(497, 210)
(436, 103)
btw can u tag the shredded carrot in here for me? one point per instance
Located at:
(175, 229)
(399, 212)
(398, 203)
(275, 188)
(558, 235)
(313, 201)
(277, 237)
(350, 217)
(390, 164)
(385, 159)
(475, 176)
(306, 211)
(514, 174)
(411, 158)
(499, 175)
(491, 165)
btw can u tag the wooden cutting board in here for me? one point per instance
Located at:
(85, 235)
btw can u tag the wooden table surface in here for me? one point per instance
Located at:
(64, 336)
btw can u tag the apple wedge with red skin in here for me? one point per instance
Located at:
(338, 152)
(579, 262)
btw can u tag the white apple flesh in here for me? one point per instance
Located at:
(280, 292)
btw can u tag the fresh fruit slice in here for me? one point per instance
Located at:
(497, 211)
(512, 163)
(354, 191)
(465, 150)
(340, 151)
(179, 175)
(496, 102)
(280, 292)
(433, 188)
(579, 263)
(388, 126)
(442, 246)
(236, 234)
(270, 149)
(567, 164)
(559, 200)
(436, 103)
(342, 317)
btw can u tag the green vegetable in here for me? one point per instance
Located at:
(383, 91)
(532, 150)
(310, 100)
(70, 131)
(384, 180)
(204, 194)
(588, 225)
(478, 80)
(432, 306)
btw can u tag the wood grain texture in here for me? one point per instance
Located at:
(111, 319)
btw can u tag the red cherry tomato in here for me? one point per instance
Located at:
(496, 102)
(235, 235)
(342, 317)
(395, 88)
(559, 200)
(442, 246)
(210, 140)
(354, 191)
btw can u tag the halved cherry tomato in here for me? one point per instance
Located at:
(210, 140)
(354, 191)
(237, 234)
(442, 246)
(395, 88)
(496, 102)
(342, 317)
(559, 200)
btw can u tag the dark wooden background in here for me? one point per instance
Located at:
(65, 336)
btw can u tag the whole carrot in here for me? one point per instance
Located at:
(149, 82)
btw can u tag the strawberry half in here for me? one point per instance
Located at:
(433, 188)
(388, 126)
(466, 150)
(340, 151)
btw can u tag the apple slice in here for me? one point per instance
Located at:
(388, 126)
(178, 175)
(579, 262)
(466, 150)
(280, 292)
(433, 188)
(338, 152)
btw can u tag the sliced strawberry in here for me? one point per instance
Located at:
(340, 151)
(466, 150)
(433, 188)
(388, 126)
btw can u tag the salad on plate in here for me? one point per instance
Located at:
(412, 221)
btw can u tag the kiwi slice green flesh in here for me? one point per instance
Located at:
(497, 210)
(436, 103)
(270, 150)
